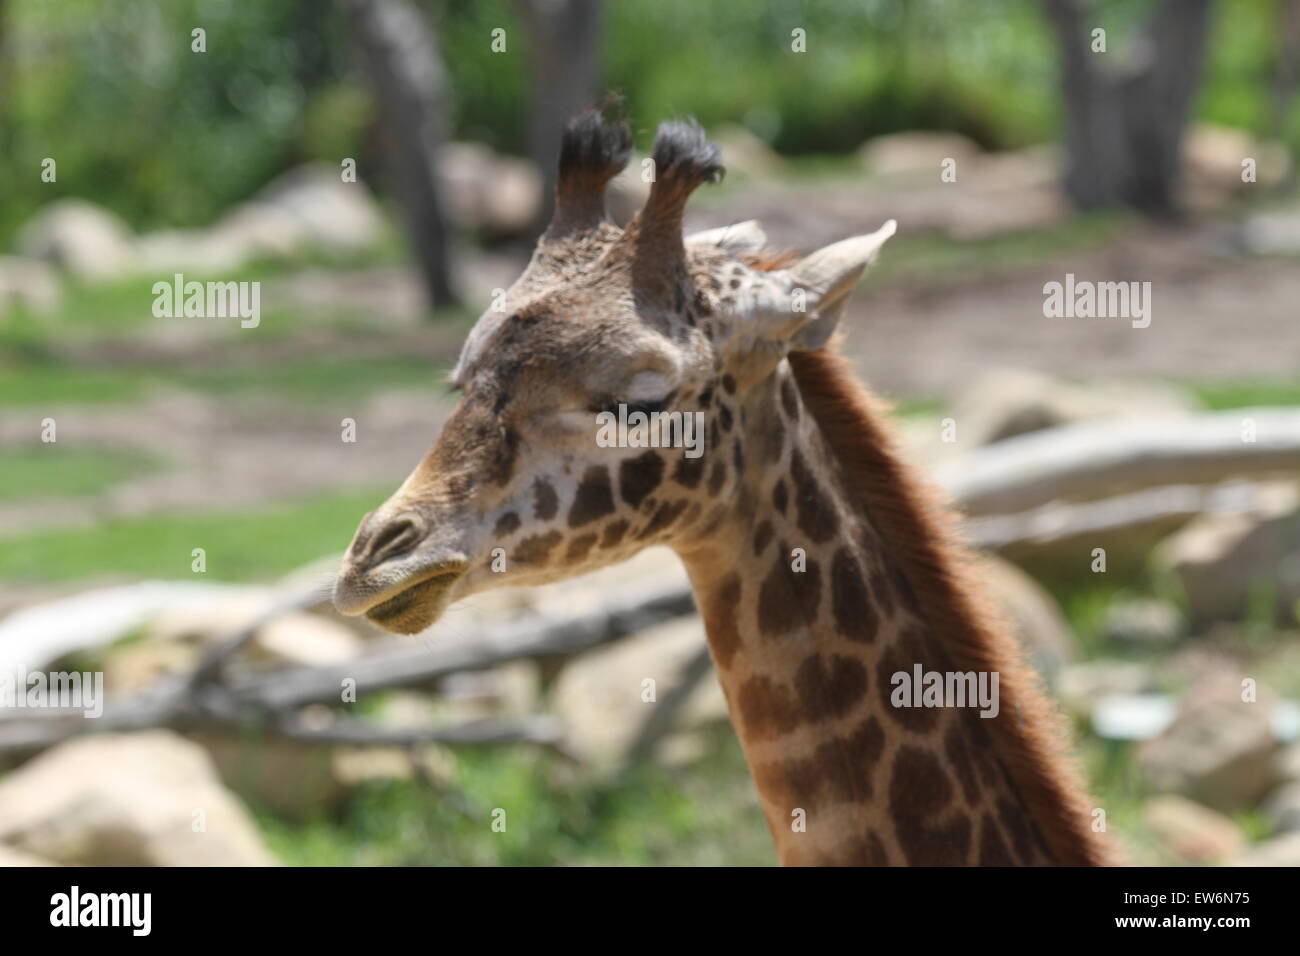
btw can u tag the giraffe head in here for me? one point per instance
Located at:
(532, 479)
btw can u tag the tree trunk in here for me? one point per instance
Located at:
(1124, 124)
(399, 55)
(563, 36)
(1286, 74)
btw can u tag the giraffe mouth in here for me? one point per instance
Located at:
(417, 606)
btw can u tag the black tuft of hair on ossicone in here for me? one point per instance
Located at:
(596, 145)
(683, 153)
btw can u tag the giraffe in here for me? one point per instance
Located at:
(823, 569)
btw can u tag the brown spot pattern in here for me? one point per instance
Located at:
(594, 498)
(639, 476)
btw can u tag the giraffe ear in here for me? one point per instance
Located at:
(737, 239)
(827, 279)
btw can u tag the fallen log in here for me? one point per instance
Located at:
(1094, 460)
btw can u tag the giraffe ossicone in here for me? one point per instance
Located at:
(794, 459)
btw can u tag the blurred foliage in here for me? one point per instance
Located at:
(165, 136)
(706, 814)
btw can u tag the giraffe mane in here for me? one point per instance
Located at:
(935, 562)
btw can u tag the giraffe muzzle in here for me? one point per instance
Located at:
(394, 575)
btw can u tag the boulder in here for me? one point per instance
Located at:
(295, 779)
(1279, 851)
(305, 640)
(196, 253)
(333, 215)
(1194, 833)
(1288, 763)
(30, 284)
(137, 665)
(744, 153)
(143, 799)
(87, 240)
(599, 694)
(1222, 561)
(10, 857)
(487, 192)
(918, 151)
(1218, 751)
(1282, 808)
(1212, 160)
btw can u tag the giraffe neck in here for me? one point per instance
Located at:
(811, 610)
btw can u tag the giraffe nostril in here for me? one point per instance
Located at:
(395, 538)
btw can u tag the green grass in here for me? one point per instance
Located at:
(312, 379)
(49, 383)
(317, 379)
(706, 814)
(57, 470)
(244, 545)
(1219, 396)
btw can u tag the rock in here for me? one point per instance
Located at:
(1038, 622)
(10, 857)
(1279, 851)
(1195, 833)
(1213, 156)
(29, 283)
(140, 664)
(144, 799)
(1223, 560)
(295, 779)
(263, 230)
(334, 215)
(598, 695)
(208, 618)
(744, 153)
(1081, 685)
(355, 766)
(1004, 403)
(1143, 621)
(1282, 808)
(199, 252)
(87, 240)
(306, 640)
(920, 151)
(1288, 763)
(486, 192)
(1218, 751)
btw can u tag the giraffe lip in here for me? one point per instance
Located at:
(360, 592)
(437, 582)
